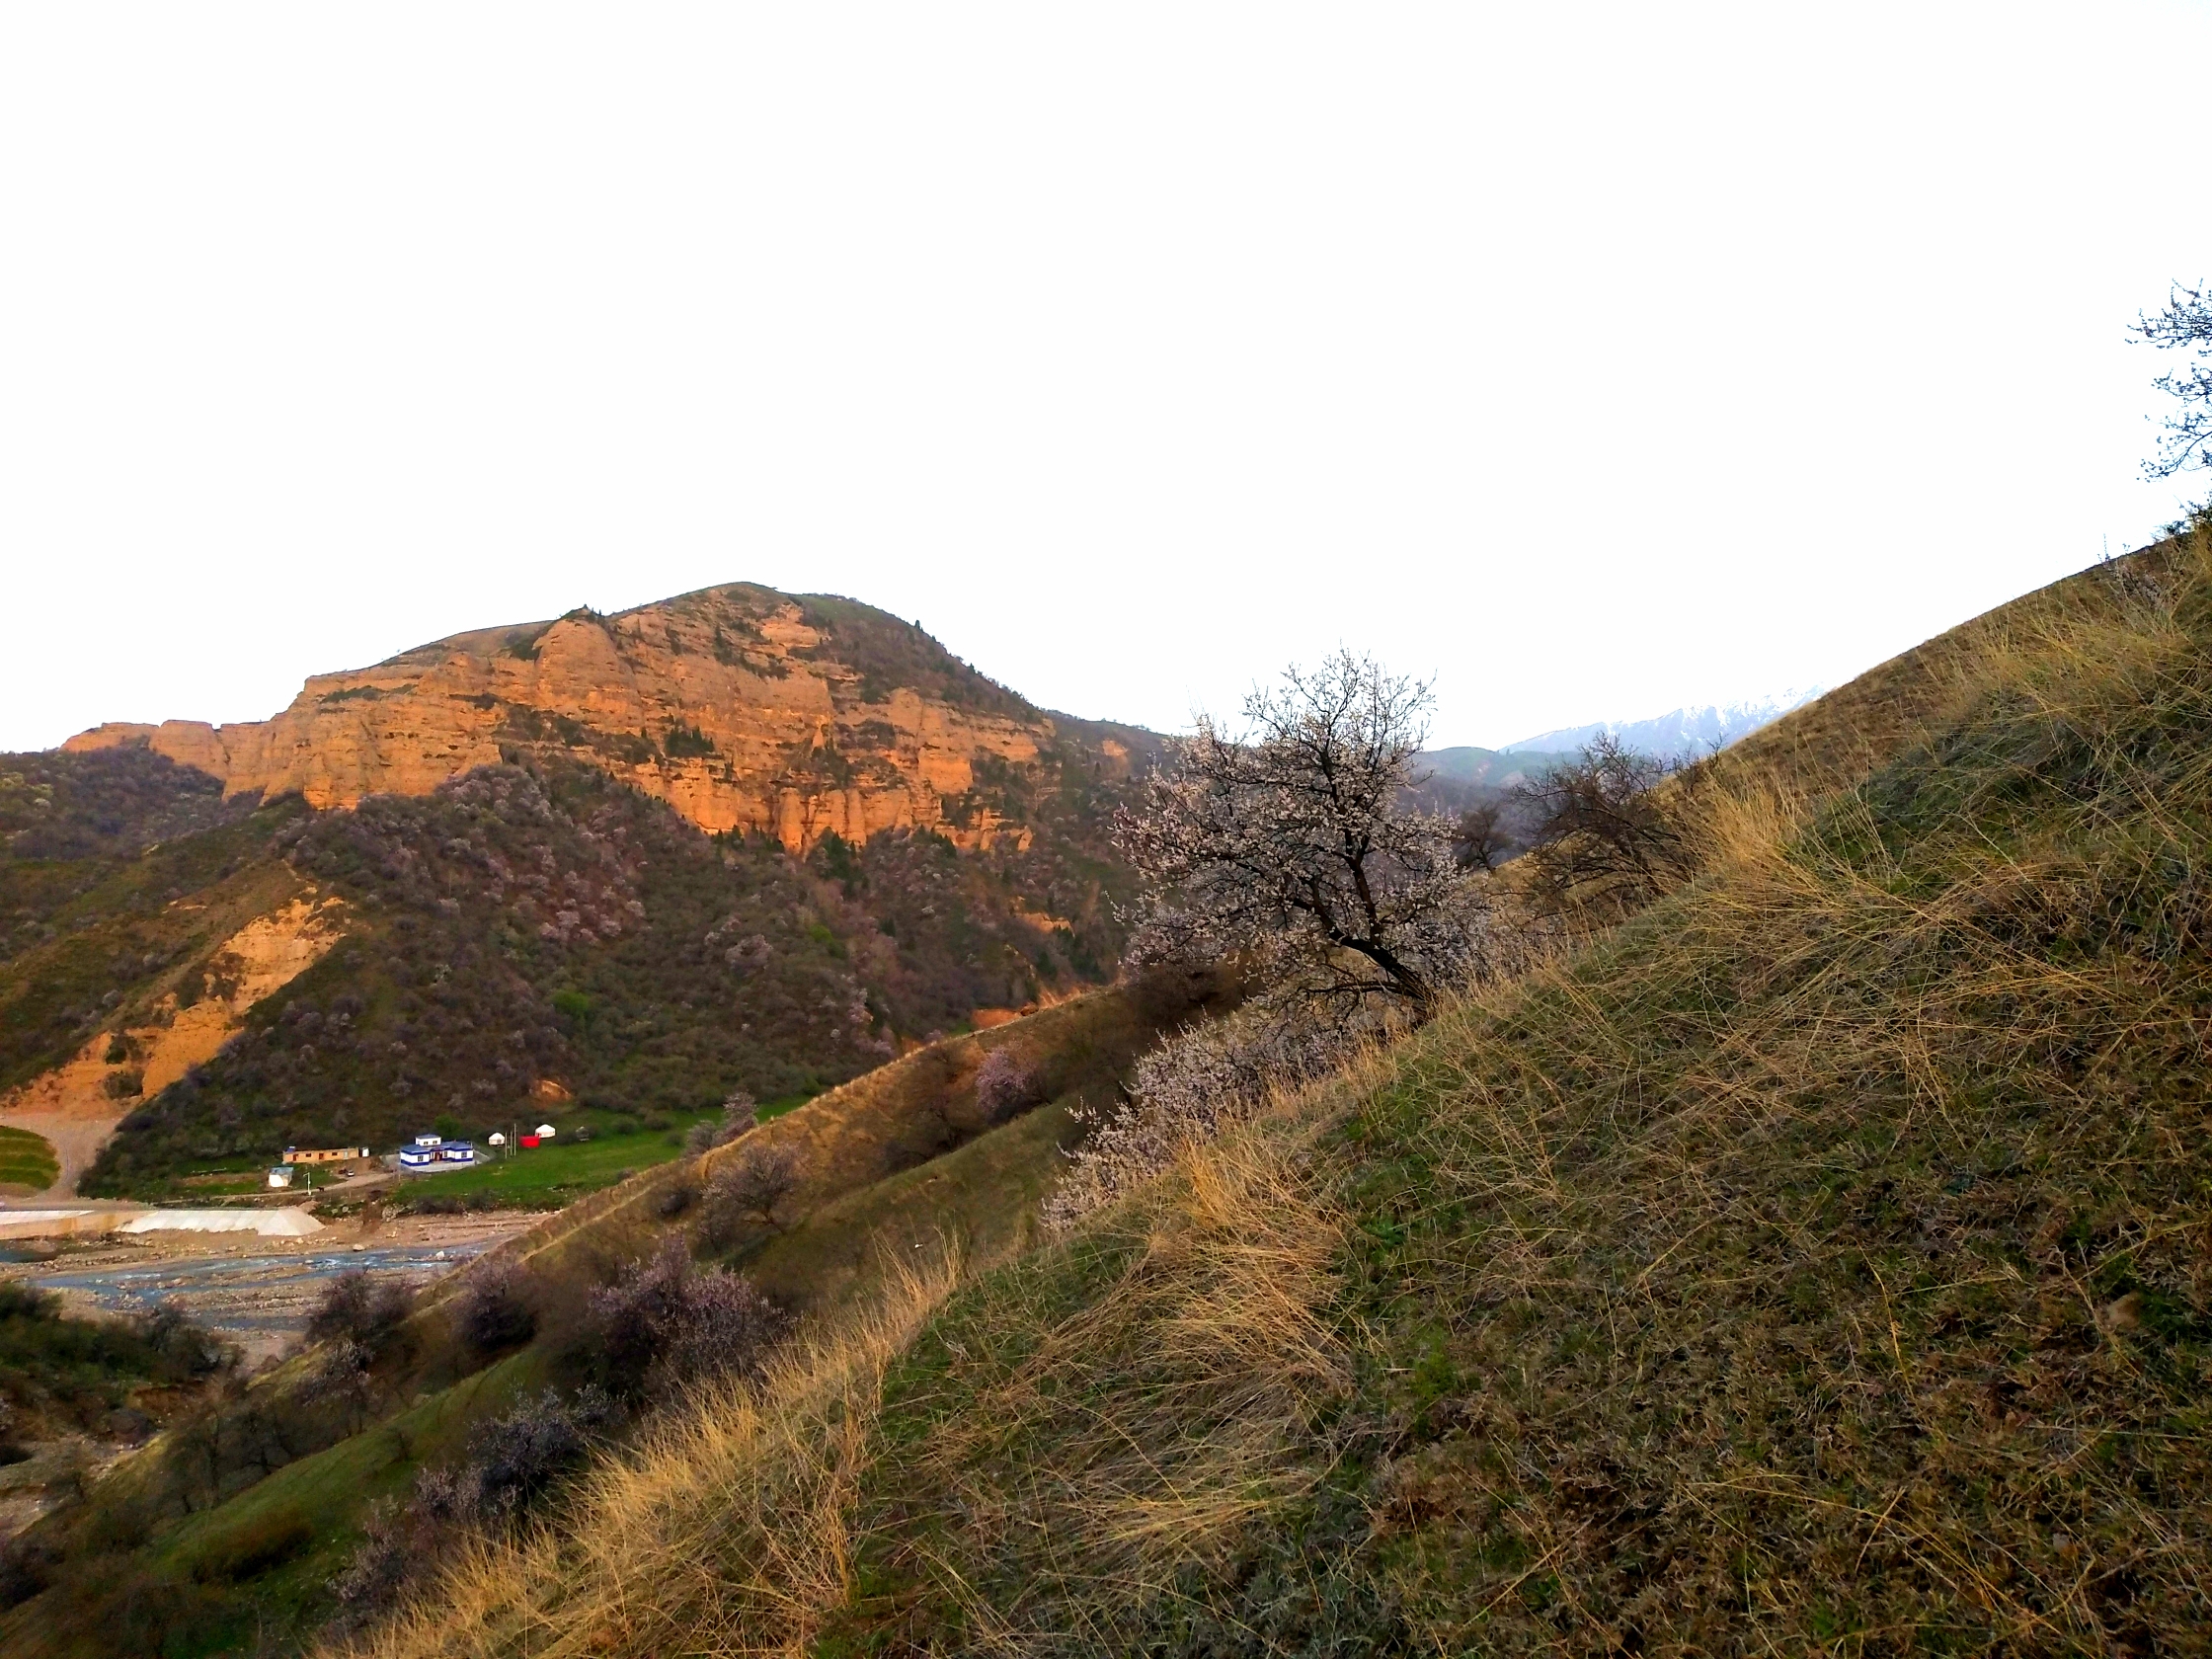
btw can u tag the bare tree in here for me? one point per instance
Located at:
(1478, 838)
(750, 1184)
(1604, 839)
(2184, 325)
(1286, 841)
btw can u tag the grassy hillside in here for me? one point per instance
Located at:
(1817, 1263)
(272, 1485)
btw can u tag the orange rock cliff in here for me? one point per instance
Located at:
(740, 707)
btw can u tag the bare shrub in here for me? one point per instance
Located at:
(746, 1188)
(668, 1324)
(360, 1309)
(493, 1312)
(766, 1478)
(1607, 838)
(1478, 837)
(739, 1114)
(1006, 1086)
(2185, 325)
(729, 1328)
(517, 1459)
(515, 1462)
(675, 1198)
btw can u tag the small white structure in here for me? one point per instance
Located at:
(545, 1132)
(456, 1152)
(280, 1176)
(497, 1137)
(429, 1139)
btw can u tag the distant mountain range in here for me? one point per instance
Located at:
(1691, 731)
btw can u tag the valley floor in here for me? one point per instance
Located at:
(255, 1291)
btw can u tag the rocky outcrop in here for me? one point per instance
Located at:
(740, 707)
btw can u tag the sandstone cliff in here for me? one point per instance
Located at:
(740, 707)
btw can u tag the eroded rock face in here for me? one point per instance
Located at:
(740, 707)
(73, 1105)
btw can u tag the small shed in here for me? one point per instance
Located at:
(546, 1131)
(280, 1176)
(497, 1137)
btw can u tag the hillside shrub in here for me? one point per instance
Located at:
(746, 1188)
(1006, 1084)
(1189, 1089)
(667, 1324)
(493, 1312)
(361, 1309)
(59, 1372)
(514, 1463)
(676, 1195)
(1607, 838)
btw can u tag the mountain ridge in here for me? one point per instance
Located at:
(743, 708)
(734, 839)
(1690, 731)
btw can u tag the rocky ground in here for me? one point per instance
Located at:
(256, 1292)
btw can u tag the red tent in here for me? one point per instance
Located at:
(530, 1140)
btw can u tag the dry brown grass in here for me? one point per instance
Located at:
(726, 1532)
(1171, 1409)
(732, 1530)
(1818, 1263)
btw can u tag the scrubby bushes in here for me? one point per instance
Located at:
(514, 1463)
(493, 1312)
(662, 1327)
(667, 1324)
(360, 1309)
(1188, 1089)
(747, 1187)
(1006, 1084)
(64, 1373)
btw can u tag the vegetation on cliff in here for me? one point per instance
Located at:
(518, 924)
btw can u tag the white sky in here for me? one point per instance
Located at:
(1590, 359)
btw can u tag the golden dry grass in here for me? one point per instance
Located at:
(1820, 1262)
(726, 1532)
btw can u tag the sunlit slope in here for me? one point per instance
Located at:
(1821, 1262)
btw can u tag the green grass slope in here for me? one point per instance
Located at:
(1820, 1262)
(27, 1160)
(228, 1534)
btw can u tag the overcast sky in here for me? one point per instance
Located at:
(1590, 360)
